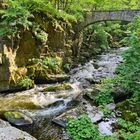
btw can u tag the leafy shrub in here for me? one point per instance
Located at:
(82, 129)
(26, 83)
(128, 126)
(128, 130)
(104, 96)
(50, 65)
(96, 37)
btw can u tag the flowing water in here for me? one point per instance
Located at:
(42, 106)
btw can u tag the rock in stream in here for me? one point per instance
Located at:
(8, 132)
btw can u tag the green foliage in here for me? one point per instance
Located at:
(15, 18)
(116, 5)
(66, 67)
(128, 72)
(95, 41)
(96, 36)
(41, 35)
(82, 129)
(100, 37)
(128, 126)
(130, 69)
(52, 65)
(26, 83)
(19, 16)
(128, 130)
(107, 112)
(104, 96)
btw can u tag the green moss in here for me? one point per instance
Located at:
(16, 115)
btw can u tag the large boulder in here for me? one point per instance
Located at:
(7, 132)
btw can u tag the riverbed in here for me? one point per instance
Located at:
(43, 106)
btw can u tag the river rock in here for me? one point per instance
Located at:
(93, 80)
(59, 78)
(62, 119)
(59, 122)
(20, 100)
(111, 106)
(93, 112)
(7, 132)
(58, 87)
(18, 118)
(56, 103)
(93, 92)
(85, 108)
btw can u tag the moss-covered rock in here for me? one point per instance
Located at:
(18, 101)
(18, 118)
(58, 87)
(8, 132)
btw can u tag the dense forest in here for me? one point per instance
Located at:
(70, 69)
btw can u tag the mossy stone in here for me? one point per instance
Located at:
(17, 118)
(58, 87)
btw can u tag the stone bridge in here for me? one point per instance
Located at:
(118, 15)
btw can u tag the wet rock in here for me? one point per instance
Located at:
(25, 100)
(92, 93)
(59, 122)
(100, 69)
(85, 108)
(56, 103)
(27, 50)
(7, 132)
(105, 127)
(18, 118)
(96, 117)
(93, 80)
(111, 106)
(94, 114)
(4, 124)
(63, 118)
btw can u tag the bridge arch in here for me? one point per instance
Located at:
(98, 16)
